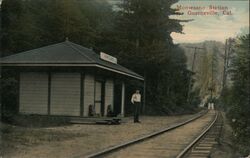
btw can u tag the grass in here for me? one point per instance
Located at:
(226, 148)
(36, 120)
(20, 132)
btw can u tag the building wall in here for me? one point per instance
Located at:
(89, 85)
(65, 94)
(33, 98)
(109, 94)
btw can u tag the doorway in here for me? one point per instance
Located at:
(99, 98)
(117, 98)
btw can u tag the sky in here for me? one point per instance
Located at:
(212, 27)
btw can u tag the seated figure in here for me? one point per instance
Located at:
(91, 110)
(110, 113)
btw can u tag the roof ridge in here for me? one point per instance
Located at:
(79, 51)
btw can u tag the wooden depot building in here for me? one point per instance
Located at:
(66, 79)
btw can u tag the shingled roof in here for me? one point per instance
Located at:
(64, 54)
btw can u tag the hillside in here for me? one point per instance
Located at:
(212, 53)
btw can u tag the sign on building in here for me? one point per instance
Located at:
(108, 58)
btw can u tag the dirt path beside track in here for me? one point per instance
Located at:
(69, 141)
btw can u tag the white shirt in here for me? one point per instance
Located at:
(136, 97)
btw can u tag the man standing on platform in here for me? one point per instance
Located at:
(136, 100)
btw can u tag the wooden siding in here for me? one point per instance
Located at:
(33, 96)
(89, 85)
(98, 97)
(65, 94)
(109, 94)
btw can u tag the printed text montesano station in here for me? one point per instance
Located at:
(210, 7)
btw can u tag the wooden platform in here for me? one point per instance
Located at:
(97, 120)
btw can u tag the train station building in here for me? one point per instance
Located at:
(66, 79)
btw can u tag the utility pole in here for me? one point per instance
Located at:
(214, 59)
(192, 69)
(225, 67)
(212, 79)
(228, 51)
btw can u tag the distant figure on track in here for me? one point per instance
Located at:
(211, 106)
(136, 100)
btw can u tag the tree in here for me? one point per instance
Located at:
(143, 43)
(11, 13)
(239, 93)
(35, 23)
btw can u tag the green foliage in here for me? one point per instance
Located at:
(35, 23)
(8, 91)
(236, 98)
(143, 43)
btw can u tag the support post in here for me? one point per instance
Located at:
(144, 94)
(123, 99)
(49, 93)
(82, 78)
(18, 91)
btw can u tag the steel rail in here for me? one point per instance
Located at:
(184, 151)
(140, 139)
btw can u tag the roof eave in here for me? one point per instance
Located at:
(73, 65)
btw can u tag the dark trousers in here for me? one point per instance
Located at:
(136, 111)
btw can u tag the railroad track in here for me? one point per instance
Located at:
(167, 142)
(201, 147)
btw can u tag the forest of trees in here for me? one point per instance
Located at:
(236, 98)
(137, 32)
